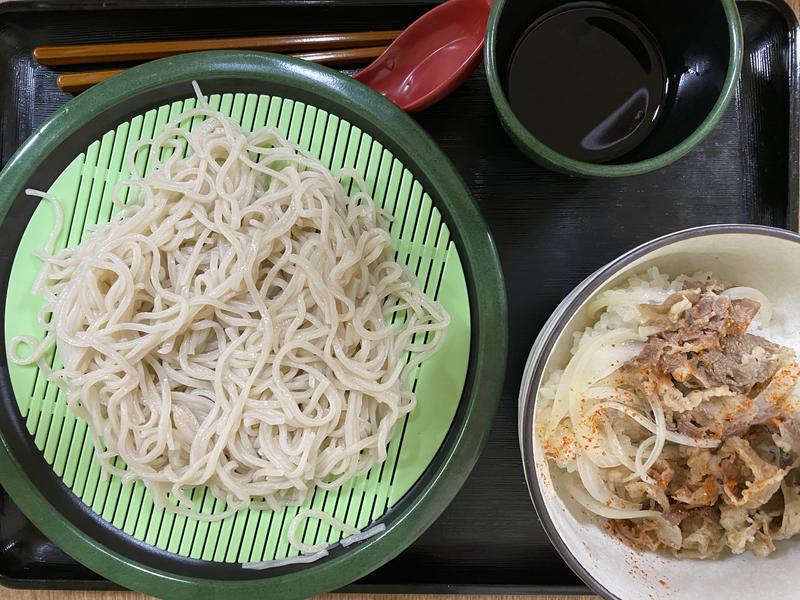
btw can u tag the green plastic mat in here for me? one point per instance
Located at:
(420, 239)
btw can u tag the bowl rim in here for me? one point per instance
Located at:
(543, 347)
(488, 307)
(536, 150)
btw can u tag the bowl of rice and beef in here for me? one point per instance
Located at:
(660, 418)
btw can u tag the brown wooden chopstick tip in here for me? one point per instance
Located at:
(77, 82)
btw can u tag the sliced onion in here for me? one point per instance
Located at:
(597, 488)
(764, 314)
(608, 359)
(649, 424)
(574, 380)
(661, 434)
(640, 472)
(616, 447)
(631, 298)
(601, 450)
(586, 501)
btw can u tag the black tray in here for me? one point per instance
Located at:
(551, 231)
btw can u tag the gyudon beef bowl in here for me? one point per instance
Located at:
(660, 418)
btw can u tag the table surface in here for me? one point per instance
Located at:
(8, 594)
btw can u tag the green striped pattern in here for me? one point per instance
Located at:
(421, 241)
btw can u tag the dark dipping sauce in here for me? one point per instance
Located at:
(588, 80)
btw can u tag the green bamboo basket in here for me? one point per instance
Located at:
(47, 461)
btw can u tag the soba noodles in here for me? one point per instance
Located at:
(241, 324)
(311, 553)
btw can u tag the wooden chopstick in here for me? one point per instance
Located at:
(77, 82)
(82, 54)
(73, 83)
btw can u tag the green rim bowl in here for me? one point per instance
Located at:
(142, 88)
(558, 162)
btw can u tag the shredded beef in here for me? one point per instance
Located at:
(716, 382)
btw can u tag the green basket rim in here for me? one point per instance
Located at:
(487, 298)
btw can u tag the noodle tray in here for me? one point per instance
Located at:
(551, 232)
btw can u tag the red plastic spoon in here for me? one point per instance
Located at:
(432, 57)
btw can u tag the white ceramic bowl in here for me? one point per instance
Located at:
(755, 256)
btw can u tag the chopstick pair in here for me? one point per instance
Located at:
(330, 49)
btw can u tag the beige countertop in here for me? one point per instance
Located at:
(6, 594)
